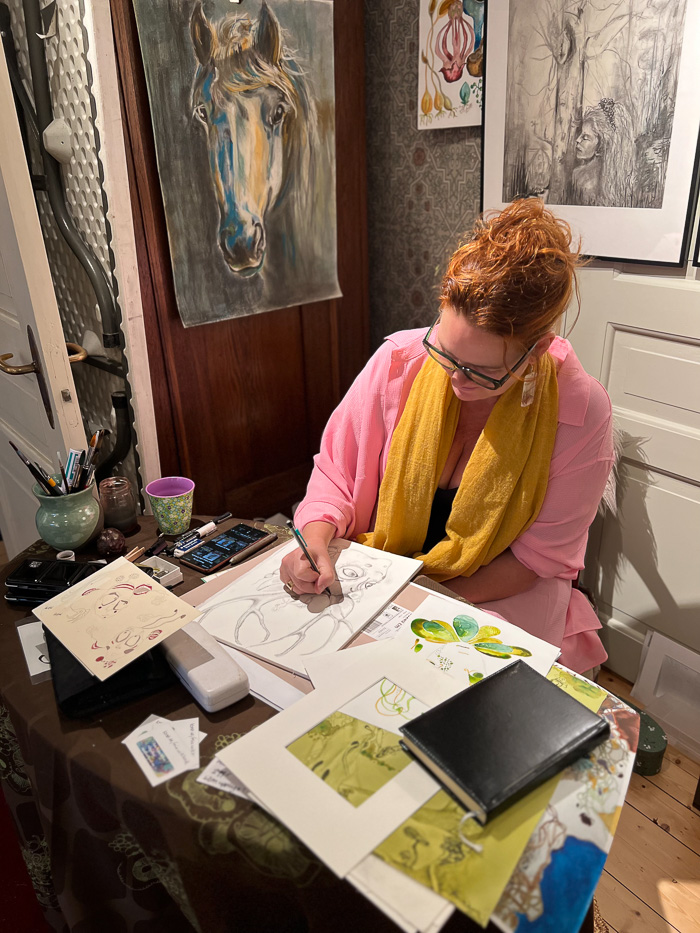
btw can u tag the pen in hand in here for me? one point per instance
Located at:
(302, 544)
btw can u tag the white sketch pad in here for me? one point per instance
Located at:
(257, 615)
(339, 833)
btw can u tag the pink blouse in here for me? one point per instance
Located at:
(348, 470)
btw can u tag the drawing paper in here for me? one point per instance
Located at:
(256, 614)
(469, 649)
(338, 832)
(113, 616)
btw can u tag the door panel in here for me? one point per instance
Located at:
(241, 404)
(27, 299)
(640, 335)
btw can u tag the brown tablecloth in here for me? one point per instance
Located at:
(108, 853)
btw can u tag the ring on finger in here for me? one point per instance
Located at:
(289, 586)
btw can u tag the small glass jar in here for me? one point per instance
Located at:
(118, 503)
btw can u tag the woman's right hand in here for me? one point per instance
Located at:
(295, 568)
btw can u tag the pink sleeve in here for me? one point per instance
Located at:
(555, 544)
(345, 477)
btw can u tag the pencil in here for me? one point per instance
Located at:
(135, 553)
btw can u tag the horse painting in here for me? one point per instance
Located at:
(256, 109)
(242, 103)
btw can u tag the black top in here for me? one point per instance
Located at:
(439, 513)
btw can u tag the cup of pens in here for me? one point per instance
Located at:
(69, 513)
(67, 521)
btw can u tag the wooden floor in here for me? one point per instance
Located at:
(651, 882)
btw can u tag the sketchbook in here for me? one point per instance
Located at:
(256, 614)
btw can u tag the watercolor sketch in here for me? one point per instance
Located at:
(355, 750)
(435, 848)
(243, 111)
(256, 614)
(114, 616)
(590, 100)
(451, 66)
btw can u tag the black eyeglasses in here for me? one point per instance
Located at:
(450, 364)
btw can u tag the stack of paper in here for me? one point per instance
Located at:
(163, 748)
(332, 770)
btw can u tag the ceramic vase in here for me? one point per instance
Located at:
(68, 522)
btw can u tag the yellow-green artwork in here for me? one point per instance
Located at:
(467, 630)
(429, 847)
(353, 757)
(582, 690)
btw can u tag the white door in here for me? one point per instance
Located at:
(38, 411)
(639, 333)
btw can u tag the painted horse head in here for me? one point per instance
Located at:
(252, 100)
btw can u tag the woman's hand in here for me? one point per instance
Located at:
(295, 568)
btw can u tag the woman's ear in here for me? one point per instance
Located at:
(543, 344)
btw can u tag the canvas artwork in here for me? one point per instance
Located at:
(592, 107)
(451, 66)
(112, 617)
(243, 109)
(256, 614)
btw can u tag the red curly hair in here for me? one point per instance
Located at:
(516, 274)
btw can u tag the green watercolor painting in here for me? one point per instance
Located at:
(353, 757)
(466, 630)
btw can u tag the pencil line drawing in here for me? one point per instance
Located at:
(590, 100)
(257, 614)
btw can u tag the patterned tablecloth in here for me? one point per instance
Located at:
(108, 852)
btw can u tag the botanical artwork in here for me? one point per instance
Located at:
(451, 67)
(468, 643)
(353, 750)
(581, 689)
(590, 100)
(431, 847)
(114, 616)
(243, 111)
(593, 108)
(256, 614)
(575, 833)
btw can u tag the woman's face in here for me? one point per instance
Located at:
(479, 350)
(587, 142)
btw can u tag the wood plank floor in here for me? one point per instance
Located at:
(651, 882)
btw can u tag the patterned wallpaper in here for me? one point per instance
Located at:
(423, 185)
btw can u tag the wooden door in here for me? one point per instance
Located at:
(241, 404)
(39, 411)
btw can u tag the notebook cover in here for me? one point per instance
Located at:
(500, 738)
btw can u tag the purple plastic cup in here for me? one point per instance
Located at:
(171, 500)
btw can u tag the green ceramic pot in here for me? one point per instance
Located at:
(68, 522)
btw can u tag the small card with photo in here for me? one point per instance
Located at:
(163, 748)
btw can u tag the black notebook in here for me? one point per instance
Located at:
(500, 738)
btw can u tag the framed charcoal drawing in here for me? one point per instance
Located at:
(242, 103)
(594, 108)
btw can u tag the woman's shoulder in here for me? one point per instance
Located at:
(583, 401)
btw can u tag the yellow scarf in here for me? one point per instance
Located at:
(503, 485)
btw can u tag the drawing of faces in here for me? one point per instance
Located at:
(361, 573)
(108, 601)
(587, 142)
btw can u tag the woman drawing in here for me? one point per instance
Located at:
(480, 445)
(605, 157)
